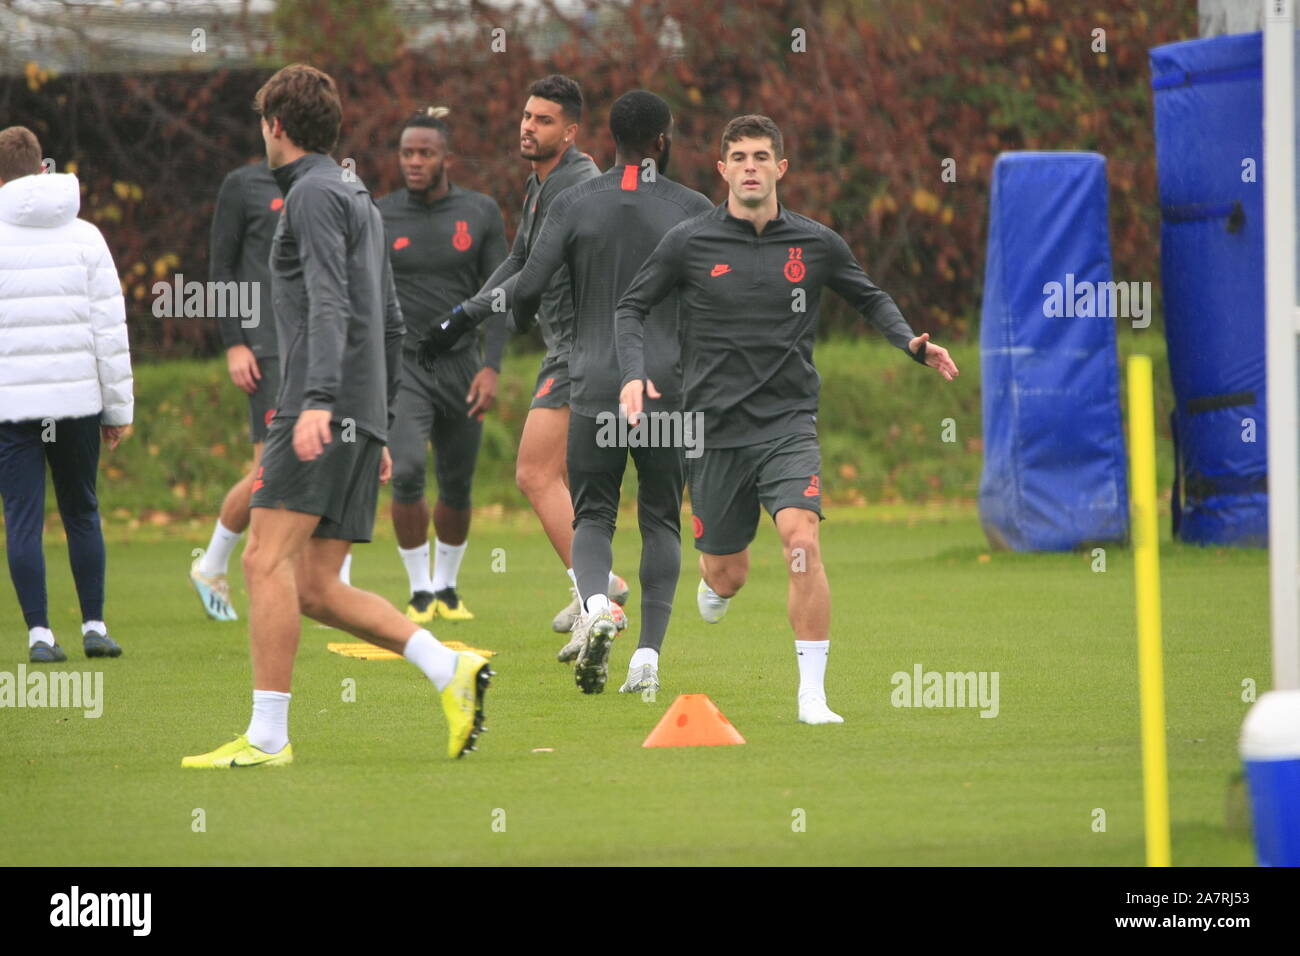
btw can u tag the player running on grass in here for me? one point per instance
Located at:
(750, 275)
(602, 231)
(243, 222)
(443, 242)
(548, 131)
(246, 214)
(341, 330)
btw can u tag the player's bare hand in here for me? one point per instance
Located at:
(482, 393)
(113, 434)
(632, 398)
(385, 466)
(936, 356)
(243, 368)
(311, 434)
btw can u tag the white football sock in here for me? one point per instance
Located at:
(613, 581)
(446, 564)
(812, 668)
(596, 603)
(269, 729)
(216, 558)
(99, 626)
(417, 567)
(40, 634)
(433, 657)
(345, 572)
(574, 579)
(644, 655)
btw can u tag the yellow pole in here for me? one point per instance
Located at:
(1146, 548)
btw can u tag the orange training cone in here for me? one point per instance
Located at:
(693, 721)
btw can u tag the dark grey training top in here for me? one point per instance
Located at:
(557, 304)
(749, 306)
(603, 230)
(336, 309)
(441, 254)
(245, 217)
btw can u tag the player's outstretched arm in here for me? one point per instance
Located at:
(479, 306)
(876, 306)
(440, 339)
(935, 356)
(492, 252)
(544, 260)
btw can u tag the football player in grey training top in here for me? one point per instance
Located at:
(340, 329)
(548, 135)
(750, 276)
(246, 214)
(602, 231)
(443, 241)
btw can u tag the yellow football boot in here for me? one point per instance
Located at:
(448, 606)
(422, 608)
(462, 702)
(238, 753)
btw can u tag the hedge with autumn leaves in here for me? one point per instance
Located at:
(873, 97)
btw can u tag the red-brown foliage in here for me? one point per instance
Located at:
(885, 92)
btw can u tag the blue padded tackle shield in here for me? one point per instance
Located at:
(1209, 110)
(1054, 461)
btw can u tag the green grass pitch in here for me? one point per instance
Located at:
(909, 786)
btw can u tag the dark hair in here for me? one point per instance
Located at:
(636, 118)
(562, 90)
(431, 117)
(752, 126)
(306, 102)
(20, 153)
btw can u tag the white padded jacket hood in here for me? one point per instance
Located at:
(63, 343)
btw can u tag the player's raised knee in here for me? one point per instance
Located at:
(312, 600)
(726, 579)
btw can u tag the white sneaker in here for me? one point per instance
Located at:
(713, 607)
(214, 592)
(591, 667)
(577, 638)
(641, 679)
(813, 710)
(567, 619)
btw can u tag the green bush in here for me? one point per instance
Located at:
(882, 425)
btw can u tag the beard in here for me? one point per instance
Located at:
(539, 153)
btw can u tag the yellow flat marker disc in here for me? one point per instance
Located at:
(362, 651)
(458, 646)
(368, 652)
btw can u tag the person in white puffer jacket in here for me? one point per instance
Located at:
(65, 384)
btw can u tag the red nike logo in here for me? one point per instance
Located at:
(720, 270)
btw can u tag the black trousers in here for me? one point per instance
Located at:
(71, 447)
(596, 465)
